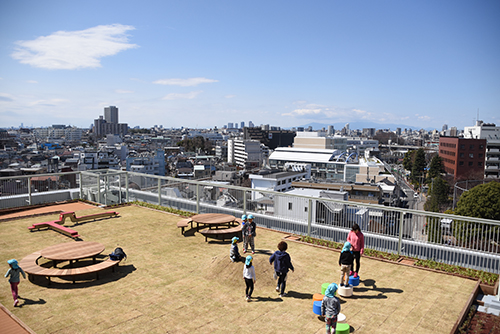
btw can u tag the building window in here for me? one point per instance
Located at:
(305, 209)
(471, 155)
(460, 163)
(481, 147)
(480, 164)
(470, 163)
(462, 147)
(480, 155)
(461, 155)
(471, 147)
(289, 205)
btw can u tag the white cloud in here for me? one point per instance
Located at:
(318, 112)
(123, 91)
(71, 50)
(229, 96)
(6, 97)
(50, 103)
(178, 96)
(191, 82)
(32, 81)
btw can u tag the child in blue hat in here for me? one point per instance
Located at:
(234, 253)
(330, 308)
(249, 233)
(346, 261)
(14, 279)
(249, 277)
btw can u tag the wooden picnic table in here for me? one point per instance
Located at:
(70, 251)
(213, 219)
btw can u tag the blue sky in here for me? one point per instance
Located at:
(284, 63)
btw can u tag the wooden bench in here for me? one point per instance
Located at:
(222, 233)
(54, 225)
(183, 223)
(31, 267)
(72, 216)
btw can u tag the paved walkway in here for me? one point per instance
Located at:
(50, 208)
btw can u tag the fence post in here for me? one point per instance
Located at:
(159, 191)
(309, 217)
(106, 189)
(99, 188)
(197, 198)
(126, 187)
(120, 188)
(80, 180)
(29, 191)
(244, 202)
(400, 242)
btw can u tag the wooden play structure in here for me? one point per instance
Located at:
(57, 225)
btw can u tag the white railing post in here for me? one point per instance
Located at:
(80, 180)
(309, 217)
(159, 191)
(99, 188)
(197, 198)
(126, 187)
(244, 202)
(30, 201)
(400, 242)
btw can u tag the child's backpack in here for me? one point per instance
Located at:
(118, 254)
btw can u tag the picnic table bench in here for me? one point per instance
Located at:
(222, 233)
(54, 225)
(31, 267)
(183, 223)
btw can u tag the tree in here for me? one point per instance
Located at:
(436, 167)
(408, 160)
(482, 201)
(438, 200)
(418, 165)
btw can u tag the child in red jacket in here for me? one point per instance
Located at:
(357, 240)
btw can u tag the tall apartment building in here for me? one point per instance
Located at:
(491, 134)
(109, 124)
(463, 157)
(244, 153)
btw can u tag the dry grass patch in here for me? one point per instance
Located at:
(179, 284)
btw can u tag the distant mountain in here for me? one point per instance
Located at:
(361, 125)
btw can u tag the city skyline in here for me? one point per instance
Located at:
(200, 65)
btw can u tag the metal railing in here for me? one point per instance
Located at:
(458, 240)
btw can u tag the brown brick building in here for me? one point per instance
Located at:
(463, 157)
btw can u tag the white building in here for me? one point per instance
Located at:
(244, 153)
(491, 133)
(319, 140)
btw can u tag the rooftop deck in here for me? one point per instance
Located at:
(179, 283)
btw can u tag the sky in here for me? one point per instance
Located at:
(288, 63)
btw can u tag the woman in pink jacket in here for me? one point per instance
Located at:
(357, 240)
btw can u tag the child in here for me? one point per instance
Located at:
(249, 234)
(357, 240)
(14, 279)
(330, 308)
(234, 253)
(249, 277)
(345, 262)
(282, 263)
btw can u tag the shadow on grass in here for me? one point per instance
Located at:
(299, 295)
(91, 221)
(85, 280)
(267, 299)
(27, 301)
(190, 232)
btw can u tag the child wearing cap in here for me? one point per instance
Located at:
(330, 308)
(234, 253)
(346, 260)
(248, 231)
(249, 277)
(14, 279)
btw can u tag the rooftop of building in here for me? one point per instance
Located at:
(180, 283)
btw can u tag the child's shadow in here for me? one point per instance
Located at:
(27, 301)
(266, 299)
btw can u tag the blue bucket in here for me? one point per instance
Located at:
(317, 307)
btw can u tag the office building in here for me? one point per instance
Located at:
(491, 133)
(463, 157)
